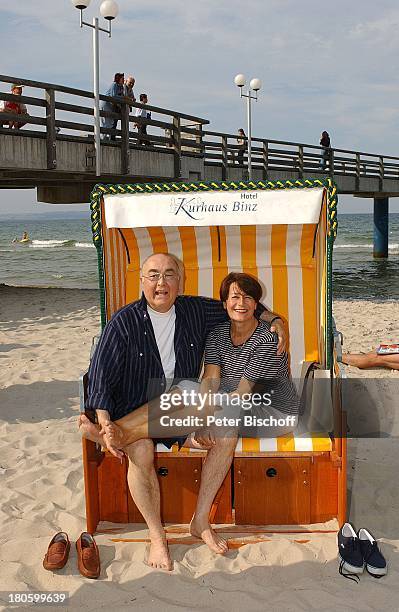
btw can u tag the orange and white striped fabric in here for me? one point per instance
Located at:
(282, 257)
(310, 442)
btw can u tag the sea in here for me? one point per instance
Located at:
(62, 254)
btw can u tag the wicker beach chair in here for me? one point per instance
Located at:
(284, 236)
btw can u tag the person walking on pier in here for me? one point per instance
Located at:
(115, 90)
(145, 115)
(326, 144)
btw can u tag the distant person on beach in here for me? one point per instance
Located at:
(115, 90)
(365, 361)
(158, 339)
(128, 88)
(242, 145)
(15, 107)
(326, 144)
(144, 114)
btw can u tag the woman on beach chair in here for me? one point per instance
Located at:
(241, 359)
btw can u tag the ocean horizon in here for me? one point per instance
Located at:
(63, 255)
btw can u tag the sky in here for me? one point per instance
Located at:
(324, 66)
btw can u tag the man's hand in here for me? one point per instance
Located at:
(205, 437)
(279, 327)
(112, 434)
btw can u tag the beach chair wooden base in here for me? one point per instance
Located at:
(261, 489)
(108, 497)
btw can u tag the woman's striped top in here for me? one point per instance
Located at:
(255, 360)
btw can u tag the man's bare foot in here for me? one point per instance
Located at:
(203, 530)
(95, 433)
(89, 430)
(158, 556)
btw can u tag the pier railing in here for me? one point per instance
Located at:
(64, 113)
(58, 113)
(304, 159)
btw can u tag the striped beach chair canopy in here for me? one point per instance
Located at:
(282, 233)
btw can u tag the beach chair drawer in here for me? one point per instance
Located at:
(272, 491)
(179, 481)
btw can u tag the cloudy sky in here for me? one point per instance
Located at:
(323, 65)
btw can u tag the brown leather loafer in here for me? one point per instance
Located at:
(88, 556)
(57, 552)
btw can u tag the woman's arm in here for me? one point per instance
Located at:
(210, 382)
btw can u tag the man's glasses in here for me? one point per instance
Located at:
(169, 277)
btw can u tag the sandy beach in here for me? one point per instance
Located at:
(45, 344)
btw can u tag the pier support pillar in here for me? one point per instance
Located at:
(381, 214)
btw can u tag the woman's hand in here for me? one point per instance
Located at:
(279, 327)
(205, 437)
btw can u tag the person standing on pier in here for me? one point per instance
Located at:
(326, 144)
(242, 145)
(128, 88)
(115, 90)
(18, 108)
(144, 114)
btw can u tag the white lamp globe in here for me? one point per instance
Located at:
(255, 84)
(80, 4)
(109, 9)
(239, 80)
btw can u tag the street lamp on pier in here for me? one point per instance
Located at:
(109, 10)
(254, 87)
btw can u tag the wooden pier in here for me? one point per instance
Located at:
(54, 152)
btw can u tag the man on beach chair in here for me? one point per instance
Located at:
(160, 337)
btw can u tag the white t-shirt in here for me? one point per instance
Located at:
(143, 112)
(163, 324)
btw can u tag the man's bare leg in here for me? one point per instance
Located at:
(215, 468)
(371, 360)
(137, 424)
(144, 489)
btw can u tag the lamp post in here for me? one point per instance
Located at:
(254, 86)
(109, 10)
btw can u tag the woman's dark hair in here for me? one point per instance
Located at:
(241, 131)
(248, 284)
(118, 76)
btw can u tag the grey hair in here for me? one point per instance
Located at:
(176, 261)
